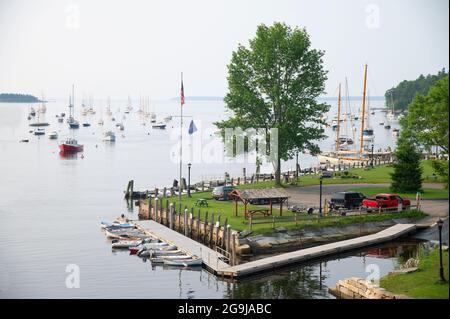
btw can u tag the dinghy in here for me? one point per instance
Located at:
(162, 259)
(183, 262)
(126, 244)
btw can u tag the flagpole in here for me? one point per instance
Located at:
(180, 188)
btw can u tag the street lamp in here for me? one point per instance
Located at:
(440, 223)
(371, 164)
(320, 196)
(189, 180)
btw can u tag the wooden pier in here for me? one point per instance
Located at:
(214, 261)
(271, 263)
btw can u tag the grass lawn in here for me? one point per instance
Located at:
(428, 193)
(262, 224)
(379, 174)
(423, 283)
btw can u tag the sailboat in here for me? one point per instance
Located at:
(73, 124)
(129, 108)
(368, 135)
(341, 155)
(391, 113)
(42, 107)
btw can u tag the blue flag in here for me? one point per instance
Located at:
(192, 128)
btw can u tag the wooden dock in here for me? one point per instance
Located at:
(212, 260)
(273, 262)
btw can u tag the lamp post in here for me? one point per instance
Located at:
(320, 196)
(371, 163)
(440, 223)
(189, 180)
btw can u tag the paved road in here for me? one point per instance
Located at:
(309, 195)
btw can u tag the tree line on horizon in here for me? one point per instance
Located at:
(17, 97)
(403, 94)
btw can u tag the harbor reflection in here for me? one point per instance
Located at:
(69, 156)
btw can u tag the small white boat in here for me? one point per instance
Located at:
(168, 118)
(162, 259)
(109, 136)
(183, 262)
(60, 119)
(39, 131)
(160, 126)
(126, 244)
(53, 135)
(100, 122)
(120, 126)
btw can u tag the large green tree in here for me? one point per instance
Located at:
(274, 83)
(426, 123)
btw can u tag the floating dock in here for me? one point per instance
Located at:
(271, 263)
(214, 261)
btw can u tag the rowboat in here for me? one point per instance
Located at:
(126, 243)
(125, 234)
(183, 262)
(166, 252)
(116, 225)
(161, 260)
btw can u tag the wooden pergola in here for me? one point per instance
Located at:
(247, 196)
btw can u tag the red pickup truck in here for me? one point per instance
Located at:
(386, 201)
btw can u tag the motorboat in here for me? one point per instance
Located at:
(70, 145)
(161, 126)
(109, 136)
(53, 135)
(39, 131)
(86, 124)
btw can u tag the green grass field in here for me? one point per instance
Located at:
(262, 224)
(423, 283)
(379, 174)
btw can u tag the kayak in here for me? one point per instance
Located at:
(183, 262)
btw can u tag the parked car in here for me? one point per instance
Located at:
(348, 200)
(222, 192)
(264, 201)
(386, 201)
(327, 174)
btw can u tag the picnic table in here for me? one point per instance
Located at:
(265, 212)
(201, 202)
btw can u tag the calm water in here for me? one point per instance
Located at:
(51, 206)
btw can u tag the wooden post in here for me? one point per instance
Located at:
(191, 222)
(185, 224)
(179, 221)
(281, 208)
(211, 228)
(171, 210)
(232, 181)
(150, 207)
(217, 242)
(239, 181)
(132, 189)
(228, 237)
(250, 222)
(205, 223)
(156, 209)
(198, 224)
(233, 249)
(224, 233)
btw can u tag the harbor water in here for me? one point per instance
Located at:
(51, 207)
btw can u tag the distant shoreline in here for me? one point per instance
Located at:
(322, 98)
(18, 98)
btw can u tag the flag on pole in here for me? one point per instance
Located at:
(192, 128)
(182, 93)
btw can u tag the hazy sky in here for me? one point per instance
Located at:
(115, 48)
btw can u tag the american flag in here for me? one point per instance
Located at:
(182, 92)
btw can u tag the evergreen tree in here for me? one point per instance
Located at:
(407, 175)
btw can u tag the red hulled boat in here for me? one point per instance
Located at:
(70, 146)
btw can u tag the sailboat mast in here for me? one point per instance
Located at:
(338, 118)
(361, 142)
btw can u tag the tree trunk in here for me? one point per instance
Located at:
(278, 171)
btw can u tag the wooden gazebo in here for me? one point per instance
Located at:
(267, 195)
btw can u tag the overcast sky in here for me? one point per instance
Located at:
(115, 48)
